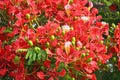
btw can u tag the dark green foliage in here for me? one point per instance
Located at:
(6, 77)
(3, 18)
(106, 75)
(42, 20)
(109, 16)
(35, 54)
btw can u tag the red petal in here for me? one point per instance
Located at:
(62, 73)
(41, 75)
(113, 7)
(92, 76)
(47, 63)
(3, 71)
(51, 78)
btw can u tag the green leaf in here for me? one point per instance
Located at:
(27, 55)
(30, 61)
(39, 56)
(8, 30)
(53, 60)
(61, 66)
(16, 59)
(30, 43)
(30, 55)
(37, 49)
(30, 51)
(67, 77)
(44, 55)
(34, 56)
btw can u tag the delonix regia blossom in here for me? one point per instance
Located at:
(52, 39)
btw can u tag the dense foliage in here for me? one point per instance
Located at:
(109, 10)
(55, 40)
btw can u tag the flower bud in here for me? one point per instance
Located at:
(30, 43)
(113, 25)
(73, 43)
(71, 28)
(70, 1)
(101, 42)
(89, 60)
(73, 40)
(28, 16)
(118, 13)
(47, 44)
(84, 47)
(73, 78)
(37, 49)
(87, 53)
(67, 47)
(114, 59)
(83, 55)
(52, 37)
(63, 33)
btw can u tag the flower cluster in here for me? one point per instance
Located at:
(115, 44)
(51, 39)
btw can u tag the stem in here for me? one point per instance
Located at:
(33, 71)
(37, 22)
(32, 26)
(3, 16)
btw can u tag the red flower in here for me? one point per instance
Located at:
(14, 32)
(114, 49)
(92, 77)
(104, 57)
(47, 63)
(2, 4)
(96, 33)
(62, 73)
(91, 67)
(0, 46)
(41, 75)
(71, 35)
(117, 33)
(113, 7)
(2, 30)
(94, 11)
(18, 72)
(20, 43)
(119, 64)
(54, 43)
(3, 71)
